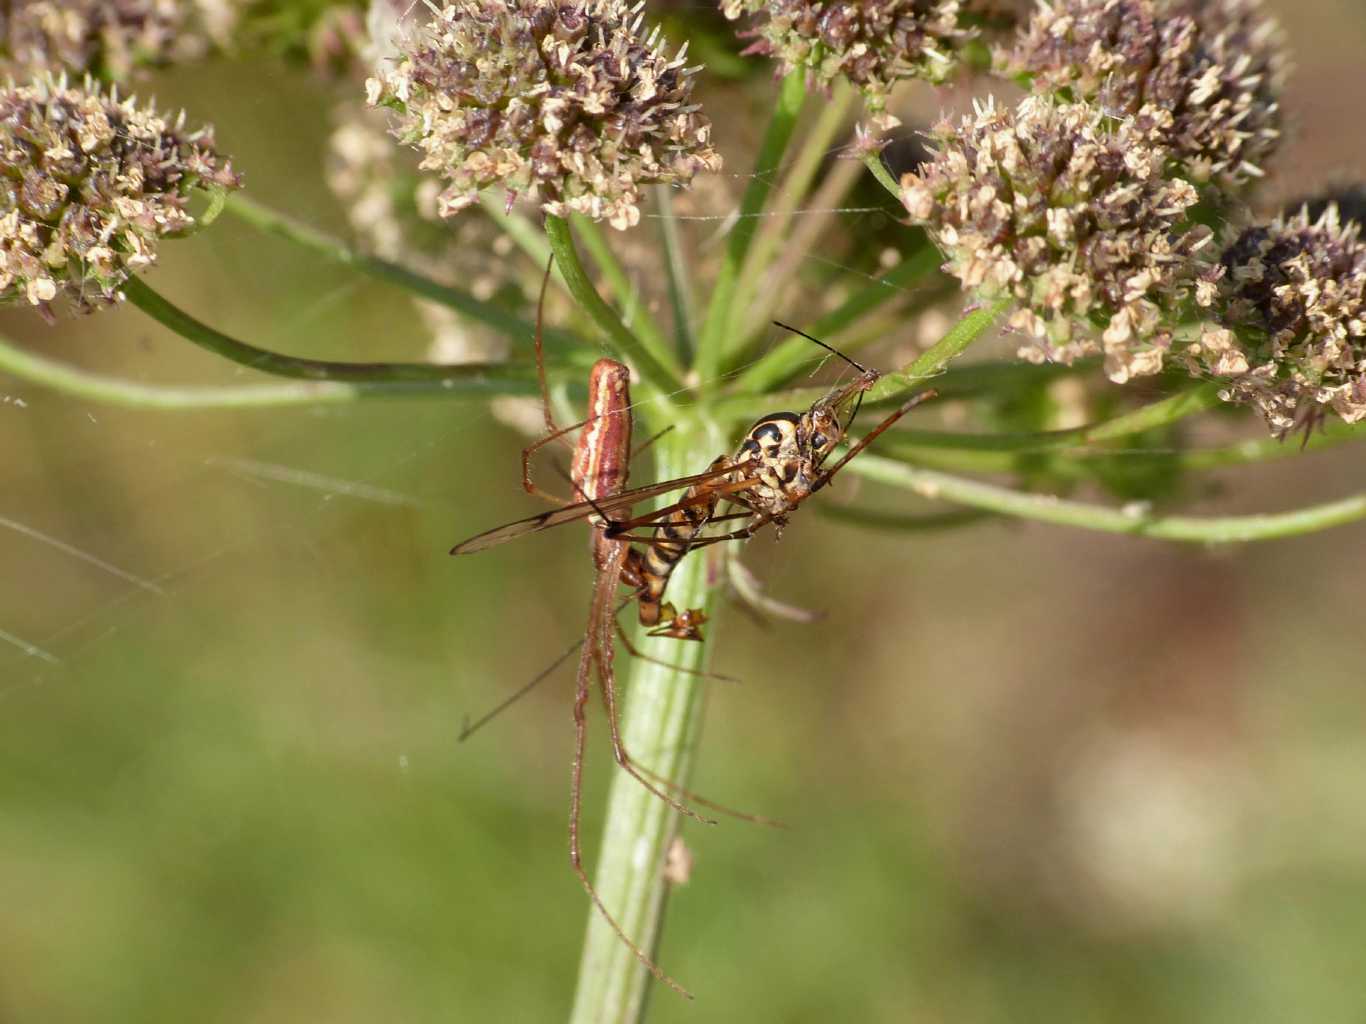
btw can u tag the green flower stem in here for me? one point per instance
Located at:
(750, 287)
(676, 267)
(925, 522)
(1077, 463)
(711, 345)
(634, 314)
(797, 259)
(130, 394)
(140, 294)
(1268, 449)
(265, 219)
(893, 386)
(788, 358)
(929, 483)
(933, 360)
(660, 728)
(625, 344)
(873, 161)
(991, 379)
(1161, 413)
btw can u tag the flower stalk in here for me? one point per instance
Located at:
(660, 727)
(1136, 519)
(487, 378)
(263, 218)
(653, 363)
(711, 346)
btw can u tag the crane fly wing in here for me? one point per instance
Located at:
(583, 509)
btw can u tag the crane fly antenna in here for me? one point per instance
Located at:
(829, 348)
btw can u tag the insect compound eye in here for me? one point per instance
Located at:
(819, 441)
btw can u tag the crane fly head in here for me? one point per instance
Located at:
(830, 419)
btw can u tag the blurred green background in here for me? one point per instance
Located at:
(1033, 774)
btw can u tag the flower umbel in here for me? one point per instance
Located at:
(1069, 212)
(566, 99)
(107, 37)
(1295, 292)
(1206, 73)
(872, 43)
(90, 184)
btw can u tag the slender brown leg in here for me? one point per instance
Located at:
(536, 446)
(589, 658)
(540, 349)
(704, 495)
(637, 770)
(635, 652)
(650, 440)
(867, 438)
(643, 775)
(609, 699)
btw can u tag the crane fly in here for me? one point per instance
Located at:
(777, 466)
(598, 471)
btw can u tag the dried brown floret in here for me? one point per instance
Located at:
(1208, 73)
(566, 99)
(872, 43)
(107, 37)
(89, 184)
(1067, 211)
(1293, 302)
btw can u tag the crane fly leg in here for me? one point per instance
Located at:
(532, 449)
(597, 655)
(703, 496)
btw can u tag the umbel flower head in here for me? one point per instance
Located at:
(1207, 73)
(872, 43)
(1295, 293)
(90, 184)
(565, 99)
(1067, 211)
(107, 37)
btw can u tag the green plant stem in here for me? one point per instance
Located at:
(933, 360)
(893, 387)
(788, 358)
(796, 256)
(1005, 378)
(98, 387)
(676, 267)
(267, 220)
(660, 729)
(711, 344)
(1137, 520)
(873, 161)
(925, 522)
(796, 186)
(634, 314)
(1269, 449)
(1196, 399)
(142, 295)
(626, 345)
(1077, 463)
